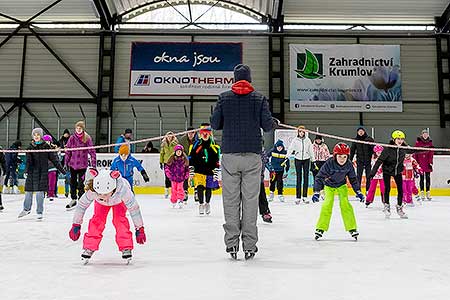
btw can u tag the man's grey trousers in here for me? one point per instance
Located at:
(241, 180)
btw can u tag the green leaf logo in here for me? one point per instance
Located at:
(309, 65)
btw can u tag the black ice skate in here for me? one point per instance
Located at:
(71, 204)
(233, 251)
(354, 234)
(250, 254)
(318, 234)
(267, 218)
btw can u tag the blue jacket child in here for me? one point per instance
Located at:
(278, 159)
(125, 164)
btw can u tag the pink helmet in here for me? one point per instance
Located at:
(378, 149)
(47, 138)
(178, 147)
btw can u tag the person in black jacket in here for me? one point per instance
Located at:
(62, 144)
(363, 154)
(392, 160)
(12, 161)
(149, 148)
(2, 171)
(204, 157)
(241, 113)
(37, 173)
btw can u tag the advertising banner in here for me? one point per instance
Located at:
(356, 78)
(183, 68)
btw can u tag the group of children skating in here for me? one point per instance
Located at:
(199, 165)
(332, 172)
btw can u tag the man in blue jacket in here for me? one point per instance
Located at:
(125, 164)
(241, 113)
(126, 137)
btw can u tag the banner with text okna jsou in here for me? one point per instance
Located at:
(183, 68)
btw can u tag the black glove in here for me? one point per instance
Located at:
(161, 166)
(145, 176)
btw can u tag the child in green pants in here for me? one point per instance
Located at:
(332, 177)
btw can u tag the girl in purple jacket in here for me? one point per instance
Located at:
(177, 171)
(425, 160)
(77, 161)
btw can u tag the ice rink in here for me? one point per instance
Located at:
(185, 258)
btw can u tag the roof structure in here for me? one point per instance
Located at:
(110, 12)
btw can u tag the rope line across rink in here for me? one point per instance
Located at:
(331, 136)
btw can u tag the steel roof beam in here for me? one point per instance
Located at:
(25, 24)
(443, 22)
(106, 19)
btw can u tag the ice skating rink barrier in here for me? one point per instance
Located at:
(150, 162)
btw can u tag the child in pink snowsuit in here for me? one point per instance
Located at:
(410, 166)
(177, 171)
(377, 179)
(108, 190)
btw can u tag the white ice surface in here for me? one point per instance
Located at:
(185, 256)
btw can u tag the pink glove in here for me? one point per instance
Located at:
(75, 232)
(140, 236)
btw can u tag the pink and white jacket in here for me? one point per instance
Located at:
(123, 194)
(379, 174)
(321, 152)
(409, 166)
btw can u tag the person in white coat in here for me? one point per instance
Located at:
(302, 149)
